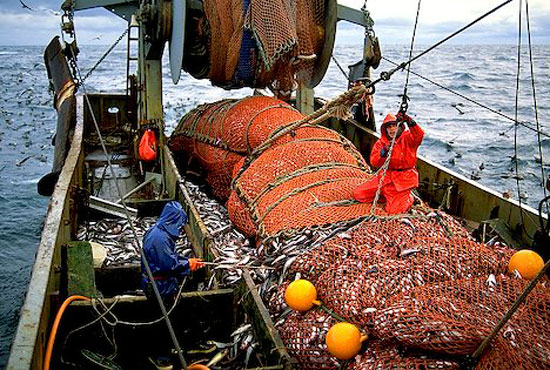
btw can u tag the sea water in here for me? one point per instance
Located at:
(461, 136)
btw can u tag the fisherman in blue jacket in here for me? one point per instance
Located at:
(159, 245)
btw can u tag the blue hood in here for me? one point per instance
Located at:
(172, 218)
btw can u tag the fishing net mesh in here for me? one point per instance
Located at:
(416, 280)
(278, 41)
(304, 179)
(454, 317)
(387, 354)
(304, 338)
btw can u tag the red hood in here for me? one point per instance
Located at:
(384, 135)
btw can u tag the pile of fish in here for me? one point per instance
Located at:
(116, 235)
(235, 354)
(235, 251)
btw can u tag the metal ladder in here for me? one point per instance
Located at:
(133, 45)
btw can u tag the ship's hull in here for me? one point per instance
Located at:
(466, 199)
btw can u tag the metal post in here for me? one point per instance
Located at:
(150, 108)
(305, 99)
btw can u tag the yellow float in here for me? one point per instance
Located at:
(526, 262)
(344, 340)
(301, 295)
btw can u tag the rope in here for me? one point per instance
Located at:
(297, 191)
(492, 110)
(135, 323)
(107, 311)
(384, 169)
(329, 109)
(531, 63)
(297, 173)
(127, 214)
(403, 108)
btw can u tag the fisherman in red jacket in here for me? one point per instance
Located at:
(401, 176)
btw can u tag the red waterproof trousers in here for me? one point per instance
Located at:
(396, 201)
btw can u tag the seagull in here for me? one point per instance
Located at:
(48, 10)
(25, 6)
(98, 37)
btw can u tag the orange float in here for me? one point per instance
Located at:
(301, 295)
(344, 340)
(527, 263)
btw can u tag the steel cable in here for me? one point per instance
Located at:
(533, 89)
(127, 213)
(518, 73)
(481, 105)
(404, 103)
(100, 60)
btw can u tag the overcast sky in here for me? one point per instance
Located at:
(393, 22)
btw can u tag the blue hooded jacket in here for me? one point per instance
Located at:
(159, 245)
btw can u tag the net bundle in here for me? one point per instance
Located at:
(220, 134)
(305, 178)
(303, 183)
(260, 43)
(453, 317)
(357, 274)
(417, 283)
(379, 238)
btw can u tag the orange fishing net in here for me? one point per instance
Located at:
(422, 288)
(304, 338)
(305, 179)
(384, 354)
(454, 317)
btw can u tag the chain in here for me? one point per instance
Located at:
(88, 74)
(369, 22)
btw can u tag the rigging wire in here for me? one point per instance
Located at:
(531, 63)
(388, 74)
(340, 67)
(402, 109)
(518, 73)
(404, 103)
(479, 104)
(127, 214)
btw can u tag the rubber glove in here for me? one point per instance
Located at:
(404, 117)
(384, 152)
(195, 264)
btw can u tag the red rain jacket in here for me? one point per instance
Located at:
(401, 171)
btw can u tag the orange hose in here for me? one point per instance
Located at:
(53, 332)
(197, 367)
